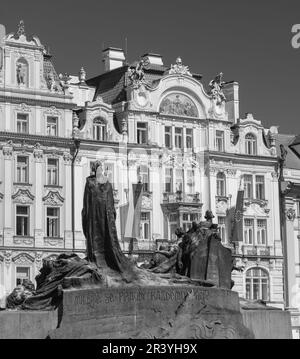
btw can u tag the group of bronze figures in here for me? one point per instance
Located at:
(197, 255)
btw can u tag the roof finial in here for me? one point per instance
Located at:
(21, 28)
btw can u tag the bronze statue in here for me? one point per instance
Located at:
(98, 222)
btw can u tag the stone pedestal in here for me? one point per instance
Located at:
(184, 312)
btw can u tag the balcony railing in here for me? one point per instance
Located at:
(179, 196)
(253, 250)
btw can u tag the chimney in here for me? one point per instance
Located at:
(231, 92)
(153, 59)
(113, 58)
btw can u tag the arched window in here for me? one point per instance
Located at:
(99, 129)
(22, 72)
(251, 144)
(221, 184)
(257, 284)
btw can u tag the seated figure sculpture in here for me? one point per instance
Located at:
(201, 256)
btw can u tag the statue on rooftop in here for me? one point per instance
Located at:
(179, 68)
(216, 89)
(136, 75)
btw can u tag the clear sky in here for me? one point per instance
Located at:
(249, 41)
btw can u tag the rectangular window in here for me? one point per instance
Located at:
(190, 182)
(145, 225)
(222, 228)
(143, 172)
(22, 274)
(178, 137)
(261, 231)
(22, 169)
(179, 180)
(52, 171)
(189, 138)
(248, 186)
(52, 126)
(168, 180)
(22, 123)
(220, 141)
(141, 133)
(22, 221)
(52, 222)
(260, 187)
(168, 136)
(248, 231)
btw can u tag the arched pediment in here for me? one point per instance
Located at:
(180, 94)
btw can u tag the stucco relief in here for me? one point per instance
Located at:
(256, 210)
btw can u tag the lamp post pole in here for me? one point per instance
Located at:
(74, 153)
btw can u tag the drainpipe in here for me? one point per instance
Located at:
(74, 152)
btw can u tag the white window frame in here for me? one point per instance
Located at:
(189, 136)
(22, 122)
(178, 137)
(220, 141)
(52, 172)
(251, 144)
(142, 133)
(22, 178)
(168, 133)
(143, 223)
(51, 128)
(99, 129)
(23, 234)
(57, 217)
(259, 279)
(221, 184)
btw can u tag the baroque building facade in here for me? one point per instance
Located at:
(145, 121)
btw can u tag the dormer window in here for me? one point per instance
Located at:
(250, 144)
(99, 129)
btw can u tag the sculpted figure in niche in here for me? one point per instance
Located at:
(22, 72)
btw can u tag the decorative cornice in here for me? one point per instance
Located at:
(33, 140)
(37, 101)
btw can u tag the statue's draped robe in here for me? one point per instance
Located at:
(99, 228)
